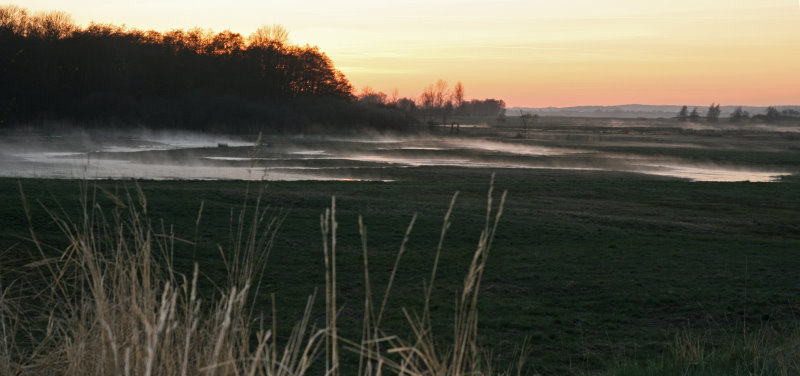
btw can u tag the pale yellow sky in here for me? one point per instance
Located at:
(530, 53)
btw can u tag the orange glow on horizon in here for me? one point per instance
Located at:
(572, 52)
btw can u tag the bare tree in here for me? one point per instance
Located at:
(427, 100)
(269, 36)
(458, 95)
(368, 95)
(51, 25)
(443, 100)
(441, 93)
(436, 99)
(14, 19)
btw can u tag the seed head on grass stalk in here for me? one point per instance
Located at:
(117, 310)
(422, 355)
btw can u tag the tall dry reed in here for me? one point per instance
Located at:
(111, 302)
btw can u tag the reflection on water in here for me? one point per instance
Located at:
(718, 174)
(317, 158)
(118, 169)
(507, 147)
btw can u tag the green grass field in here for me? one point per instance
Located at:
(596, 269)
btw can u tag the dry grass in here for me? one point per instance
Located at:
(112, 303)
(765, 350)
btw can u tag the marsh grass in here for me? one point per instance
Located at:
(765, 350)
(112, 302)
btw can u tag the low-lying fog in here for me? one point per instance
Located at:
(193, 156)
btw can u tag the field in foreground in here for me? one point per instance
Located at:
(597, 269)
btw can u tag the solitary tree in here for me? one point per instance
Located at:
(738, 115)
(441, 94)
(684, 114)
(713, 113)
(772, 114)
(527, 119)
(694, 116)
(458, 96)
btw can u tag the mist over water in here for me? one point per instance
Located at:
(191, 156)
(710, 173)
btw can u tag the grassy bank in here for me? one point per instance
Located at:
(596, 269)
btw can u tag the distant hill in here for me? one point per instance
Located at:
(632, 110)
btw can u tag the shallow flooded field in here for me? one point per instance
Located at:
(724, 153)
(605, 236)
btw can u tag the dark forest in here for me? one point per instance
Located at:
(53, 72)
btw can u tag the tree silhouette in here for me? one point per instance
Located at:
(443, 100)
(772, 114)
(683, 115)
(406, 105)
(712, 115)
(427, 101)
(436, 100)
(458, 96)
(789, 113)
(274, 36)
(441, 93)
(368, 95)
(225, 43)
(527, 120)
(694, 116)
(51, 25)
(738, 115)
(186, 78)
(13, 20)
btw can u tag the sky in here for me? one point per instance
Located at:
(533, 53)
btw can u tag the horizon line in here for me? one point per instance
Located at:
(658, 105)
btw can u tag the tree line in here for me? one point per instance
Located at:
(51, 69)
(437, 103)
(713, 113)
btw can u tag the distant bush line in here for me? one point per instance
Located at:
(713, 113)
(52, 70)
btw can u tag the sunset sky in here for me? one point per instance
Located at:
(529, 53)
